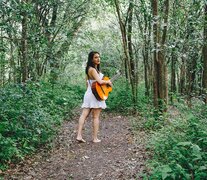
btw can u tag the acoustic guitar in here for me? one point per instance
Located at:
(101, 91)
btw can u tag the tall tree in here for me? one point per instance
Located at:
(38, 34)
(205, 54)
(160, 64)
(144, 18)
(126, 28)
(24, 44)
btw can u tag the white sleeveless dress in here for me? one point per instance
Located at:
(90, 100)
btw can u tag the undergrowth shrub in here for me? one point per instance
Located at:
(120, 99)
(179, 149)
(30, 116)
(177, 145)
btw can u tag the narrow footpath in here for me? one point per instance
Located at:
(119, 156)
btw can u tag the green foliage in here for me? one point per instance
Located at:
(120, 99)
(50, 30)
(147, 119)
(30, 115)
(179, 149)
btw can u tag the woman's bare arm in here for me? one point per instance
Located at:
(93, 73)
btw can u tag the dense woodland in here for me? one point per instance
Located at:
(160, 46)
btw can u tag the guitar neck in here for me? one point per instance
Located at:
(115, 77)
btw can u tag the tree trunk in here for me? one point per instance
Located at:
(124, 36)
(155, 55)
(145, 31)
(2, 69)
(127, 46)
(12, 72)
(146, 72)
(130, 50)
(24, 48)
(160, 65)
(164, 64)
(205, 56)
(182, 83)
(173, 76)
(54, 64)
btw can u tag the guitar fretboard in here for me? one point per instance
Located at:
(115, 77)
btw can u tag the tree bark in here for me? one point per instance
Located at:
(173, 76)
(132, 72)
(129, 51)
(155, 55)
(160, 65)
(145, 30)
(54, 64)
(182, 87)
(162, 70)
(24, 47)
(124, 37)
(205, 55)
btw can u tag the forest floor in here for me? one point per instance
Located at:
(120, 155)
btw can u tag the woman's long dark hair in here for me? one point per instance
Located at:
(90, 61)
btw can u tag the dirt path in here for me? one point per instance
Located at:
(116, 157)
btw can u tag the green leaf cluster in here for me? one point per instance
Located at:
(120, 99)
(179, 149)
(30, 116)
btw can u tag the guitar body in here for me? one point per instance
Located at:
(101, 92)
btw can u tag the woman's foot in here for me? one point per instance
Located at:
(80, 140)
(96, 140)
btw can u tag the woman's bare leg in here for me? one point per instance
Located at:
(96, 114)
(82, 119)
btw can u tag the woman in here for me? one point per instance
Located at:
(90, 103)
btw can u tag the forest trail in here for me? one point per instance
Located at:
(119, 156)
